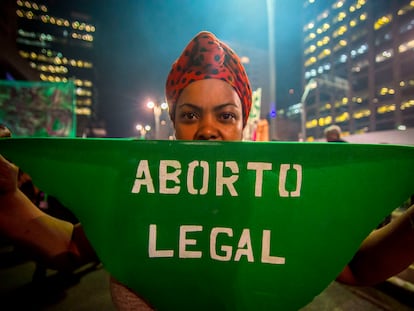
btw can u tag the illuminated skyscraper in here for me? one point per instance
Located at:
(358, 66)
(58, 43)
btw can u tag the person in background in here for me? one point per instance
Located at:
(333, 134)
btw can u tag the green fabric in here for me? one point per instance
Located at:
(263, 242)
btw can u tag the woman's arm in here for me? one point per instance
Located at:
(384, 253)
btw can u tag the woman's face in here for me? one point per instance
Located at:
(208, 109)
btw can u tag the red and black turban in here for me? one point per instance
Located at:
(206, 57)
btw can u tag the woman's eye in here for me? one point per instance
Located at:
(228, 116)
(189, 115)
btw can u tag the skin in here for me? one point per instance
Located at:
(384, 253)
(4, 131)
(209, 110)
(332, 136)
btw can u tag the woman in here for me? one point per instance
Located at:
(209, 98)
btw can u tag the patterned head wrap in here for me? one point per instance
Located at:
(206, 57)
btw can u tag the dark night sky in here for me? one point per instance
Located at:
(137, 41)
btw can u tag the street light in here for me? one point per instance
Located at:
(157, 109)
(142, 130)
(270, 8)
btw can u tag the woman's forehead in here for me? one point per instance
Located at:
(209, 91)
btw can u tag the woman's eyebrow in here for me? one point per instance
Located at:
(224, 106)
(189, 105)
(215, 108)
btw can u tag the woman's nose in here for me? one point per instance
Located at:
(207, 129)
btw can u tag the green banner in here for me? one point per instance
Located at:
(38, 109)
(221, 225)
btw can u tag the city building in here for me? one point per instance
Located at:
(358, 67)
(57, 41)
(12, 66)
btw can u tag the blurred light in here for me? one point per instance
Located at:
(384, 91)
(401, 127)
(164, 106)
(150, 104)
(313, 85)
(245, 60)
(339, 4)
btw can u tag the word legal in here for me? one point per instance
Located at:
(244, 246)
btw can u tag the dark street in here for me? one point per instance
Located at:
(87, 289)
